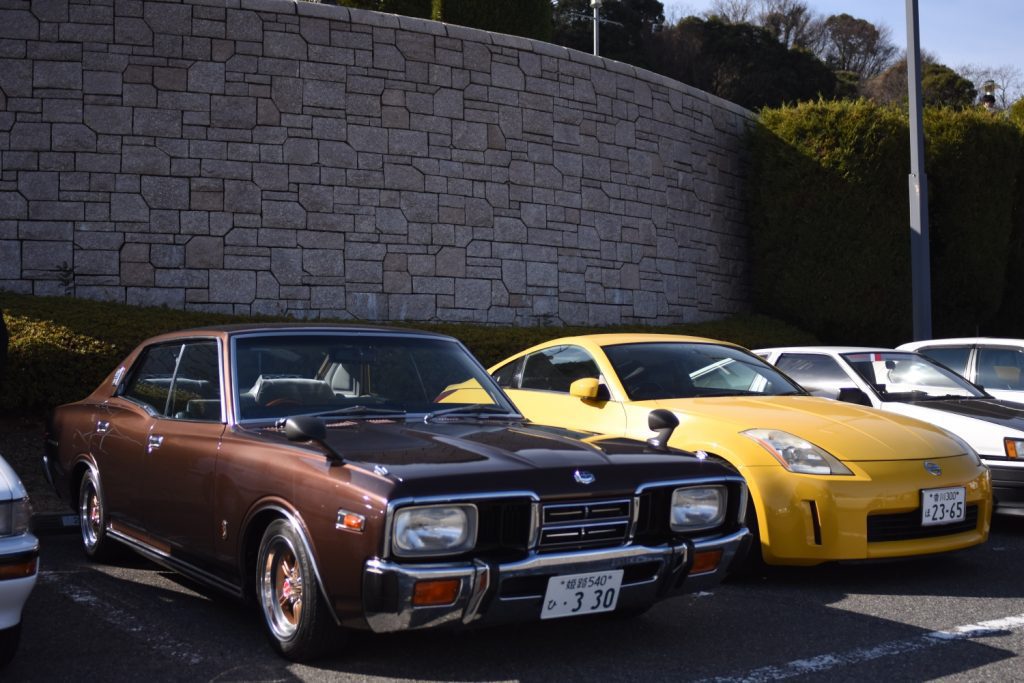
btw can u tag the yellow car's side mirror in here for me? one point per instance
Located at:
(585, 388)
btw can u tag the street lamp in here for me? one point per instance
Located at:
(596, 5)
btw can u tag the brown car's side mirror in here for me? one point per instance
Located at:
(663, 422)
(310, 429)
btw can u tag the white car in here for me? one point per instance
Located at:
(19, 559)
(911, 384)
(997, 365)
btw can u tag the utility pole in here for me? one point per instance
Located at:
(920, 266)
(596, 18)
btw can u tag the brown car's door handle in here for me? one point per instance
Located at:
(155, 441)
(102, 427)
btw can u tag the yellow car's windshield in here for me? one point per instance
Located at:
(660, 370)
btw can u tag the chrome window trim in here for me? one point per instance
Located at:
(456, 499)
(119, 384)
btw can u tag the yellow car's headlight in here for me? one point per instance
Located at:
(796, 454)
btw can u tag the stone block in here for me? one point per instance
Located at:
(39, 185)
(57, 75)
(206, 77)
(204, 252)
(284, 45)
(473, 294)
(10, 260)
(411, 307)
(46, 256)
(283, 214)
(137, 275)
(156, 122)
(232, 286)
(241, 196)
(156, 297)
(300, 151)
(165, 193)
(233, 112)
(324, 262)
(96, 262)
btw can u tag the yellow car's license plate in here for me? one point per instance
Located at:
(943, 506)
(575, 594)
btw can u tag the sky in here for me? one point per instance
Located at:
(985, 33)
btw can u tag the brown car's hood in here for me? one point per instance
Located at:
(489, 455)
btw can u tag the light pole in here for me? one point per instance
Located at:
(920, 267)
(596, 5)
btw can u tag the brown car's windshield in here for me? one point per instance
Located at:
(276, 375)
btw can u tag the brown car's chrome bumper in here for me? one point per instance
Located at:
(514, 591)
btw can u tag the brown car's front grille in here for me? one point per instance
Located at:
(584, 524)
(503, 526)
(905, 526)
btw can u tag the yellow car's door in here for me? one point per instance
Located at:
(539, 386)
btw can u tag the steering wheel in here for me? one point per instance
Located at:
(278, 402)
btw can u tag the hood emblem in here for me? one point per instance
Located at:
(583, 477)
(932, 468)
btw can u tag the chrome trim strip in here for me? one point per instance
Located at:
(688, 483)
(175, 564)
(481, 584)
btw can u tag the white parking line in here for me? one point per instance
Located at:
(153, 637)
(799, 667)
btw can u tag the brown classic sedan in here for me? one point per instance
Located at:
(370, 478)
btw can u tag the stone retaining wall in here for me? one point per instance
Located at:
(263, 156)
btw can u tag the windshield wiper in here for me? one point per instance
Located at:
(472, 409)
(361, 410)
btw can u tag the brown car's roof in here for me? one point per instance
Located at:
(243, 328)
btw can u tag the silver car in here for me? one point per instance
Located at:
(19, 559)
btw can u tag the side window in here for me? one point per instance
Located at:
(556, 368)
(1000, 368)
(953, 357)
(505, 376)
(150, 381)
(814, 370)
(195, 394)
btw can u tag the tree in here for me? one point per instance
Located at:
(857, 46)
(941, 86)
(626, 40)
(741, 63)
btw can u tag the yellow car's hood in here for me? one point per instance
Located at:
(849, 432)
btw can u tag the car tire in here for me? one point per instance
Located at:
(751, 563)
(9, 638)
(294, 611)
(92, 520)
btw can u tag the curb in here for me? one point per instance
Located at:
(49, 524)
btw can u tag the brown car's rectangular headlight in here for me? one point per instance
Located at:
(696, 508)
(434, 530)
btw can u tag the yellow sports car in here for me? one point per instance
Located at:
(828, 480)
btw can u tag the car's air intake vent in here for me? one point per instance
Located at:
(584, 524)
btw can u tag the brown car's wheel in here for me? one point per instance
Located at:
(92, 519)
(294, 611)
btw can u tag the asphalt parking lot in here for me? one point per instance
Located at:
(956, 617)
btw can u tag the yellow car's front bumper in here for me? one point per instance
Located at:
(874, 514)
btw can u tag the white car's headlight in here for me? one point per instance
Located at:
(697, 507)
(434, 530)
(796, 454)
(14, 517)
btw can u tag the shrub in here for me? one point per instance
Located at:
(830, 239)
(62, 348)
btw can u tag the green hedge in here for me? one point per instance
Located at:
(527, 18)
(830, 238)
(62, 348)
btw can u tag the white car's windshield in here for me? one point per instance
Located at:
(659, 370)
(902, 376)
(355, 375)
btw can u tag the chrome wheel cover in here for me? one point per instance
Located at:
(90, 514)
(282, 588)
